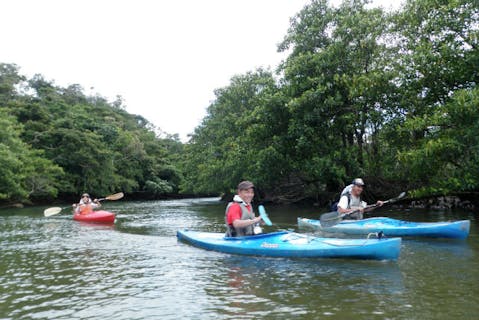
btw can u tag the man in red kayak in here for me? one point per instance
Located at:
(86, 206)
(351, 200)
(239, 216)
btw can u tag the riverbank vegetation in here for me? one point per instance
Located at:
(58, 141)
(390, 96)
(387, 95)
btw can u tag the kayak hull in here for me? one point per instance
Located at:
(290, 244)
(394, 228)
(99, 216)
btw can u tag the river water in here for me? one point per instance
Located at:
(57, 268)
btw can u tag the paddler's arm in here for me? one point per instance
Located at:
(379, 203)
(341, 210)
(76, 207)
(96, 203)
(343, 206)
(238, 223)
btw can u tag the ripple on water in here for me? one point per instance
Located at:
(59, 269)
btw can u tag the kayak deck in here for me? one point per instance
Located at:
(290, 244)
(392, 227)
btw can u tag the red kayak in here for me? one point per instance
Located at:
(99, 216)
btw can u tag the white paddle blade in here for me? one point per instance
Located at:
(399, 197)
(52, 211)
(115, 196)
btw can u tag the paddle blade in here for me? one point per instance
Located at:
(52, 211)
(264, 216)
(115, 196)
(330, 219)
(400, 196)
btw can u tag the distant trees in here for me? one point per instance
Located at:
(56, 139)
(391, 96)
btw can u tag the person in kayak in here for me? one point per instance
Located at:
(239, 215)
(86, 206)
(350, 200)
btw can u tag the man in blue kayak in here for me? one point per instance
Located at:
(350, 200)
(239, 215)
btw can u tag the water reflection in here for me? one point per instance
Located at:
(58, 268)
(249, 284)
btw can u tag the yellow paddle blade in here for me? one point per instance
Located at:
(52, 211)
(115, 196)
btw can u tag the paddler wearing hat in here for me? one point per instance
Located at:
(351, 200)
(85, 205)
(239, 215)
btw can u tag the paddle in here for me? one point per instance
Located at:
(264, 215)
(56, 210)
(332, 218)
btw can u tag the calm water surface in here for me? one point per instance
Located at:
(57, 268)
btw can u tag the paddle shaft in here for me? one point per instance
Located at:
(374, 206)
(331, 218)
(371, 206)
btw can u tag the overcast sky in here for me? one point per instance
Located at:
(164, 57)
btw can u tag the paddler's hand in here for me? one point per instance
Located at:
(74, 205)
(356, 209)
(257, 220)
(379, 203)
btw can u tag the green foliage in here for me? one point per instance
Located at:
(447, 158)
(23, 171)
(239, 138)
(157, 187)
(98, 146)
(362, 92)
(336, 86)
(9, 77)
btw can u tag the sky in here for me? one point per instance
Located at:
(164, 57)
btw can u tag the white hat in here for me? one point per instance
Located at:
(358, 182)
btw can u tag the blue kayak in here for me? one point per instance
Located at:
(394, 228)
(290, 244)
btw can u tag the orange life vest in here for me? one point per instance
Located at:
(86, 208)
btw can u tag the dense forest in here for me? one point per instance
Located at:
(387, 95)
(58, 142)
(390, 96)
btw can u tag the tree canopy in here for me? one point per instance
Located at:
(57, 139)
(363, 92)
(387, 95)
